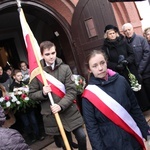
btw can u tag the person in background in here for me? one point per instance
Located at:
(8, 69)
(110, 107)
(9, 114)
(25, 79)
(28, 117)
(10, 139)
(147, 34)
(65, 106)
(121, 58)
(9, 72)
(141, 51)
(25, 72)
(5, 79)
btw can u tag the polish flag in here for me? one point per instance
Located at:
(34, 57)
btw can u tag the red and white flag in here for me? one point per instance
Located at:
(34, 56)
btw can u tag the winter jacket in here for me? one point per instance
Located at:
(10, 139)
(142, 54)
(105, 134)
(70, 115)
(120, 47)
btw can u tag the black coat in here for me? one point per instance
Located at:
(102, 132)
(120, 47)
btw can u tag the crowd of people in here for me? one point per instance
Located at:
(112, 109)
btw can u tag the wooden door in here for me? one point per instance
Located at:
(87, 29)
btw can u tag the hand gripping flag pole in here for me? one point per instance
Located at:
(32, 45)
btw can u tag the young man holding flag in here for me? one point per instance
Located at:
(63, 92)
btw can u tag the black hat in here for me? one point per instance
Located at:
(109, 27)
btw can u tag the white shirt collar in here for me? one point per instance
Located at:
(53, 65)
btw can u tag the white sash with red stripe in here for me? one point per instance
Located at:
(113, 110)
(57, 87)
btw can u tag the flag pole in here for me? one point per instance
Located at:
(57, 117)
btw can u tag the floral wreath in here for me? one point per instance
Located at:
(18, 100)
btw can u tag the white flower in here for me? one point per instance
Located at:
(1, 99)
(140, 86)
(14, 98)
(26, 90)
(19, 92)
(18, 102)
(135, 86)
(26, 98)
(79, 82)
(15, 89)
(8, 104)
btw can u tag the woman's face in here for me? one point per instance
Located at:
(111, 35)
(98, 66)
(148, 36)
(1, 70)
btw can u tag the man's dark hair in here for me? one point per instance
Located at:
(46, 44)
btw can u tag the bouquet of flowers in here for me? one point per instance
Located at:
(133, 81)
(9, 101)
(79, 82)
(18, 100)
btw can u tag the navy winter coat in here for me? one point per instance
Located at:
(141, 51)
(102, 132)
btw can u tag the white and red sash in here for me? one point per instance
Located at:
(57, 87)
(113, 110)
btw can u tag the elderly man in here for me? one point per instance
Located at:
(142, 56)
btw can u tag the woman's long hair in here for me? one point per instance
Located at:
(3, 90)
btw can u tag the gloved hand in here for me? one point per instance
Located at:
(124, 62)
(120, 67)
(121, 58)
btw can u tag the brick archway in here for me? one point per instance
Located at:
(44, 17)
(64, 8)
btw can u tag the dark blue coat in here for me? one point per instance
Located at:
(102, 132)
(141, 51)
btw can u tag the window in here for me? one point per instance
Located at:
(90, 27)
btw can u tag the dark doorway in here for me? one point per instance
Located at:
(44, 23)
(9, 53)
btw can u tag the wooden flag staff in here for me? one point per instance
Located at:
(57, 117)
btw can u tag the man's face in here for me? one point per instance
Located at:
(23, 66)
(49, 55)
(18, 77)
(128, 31)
